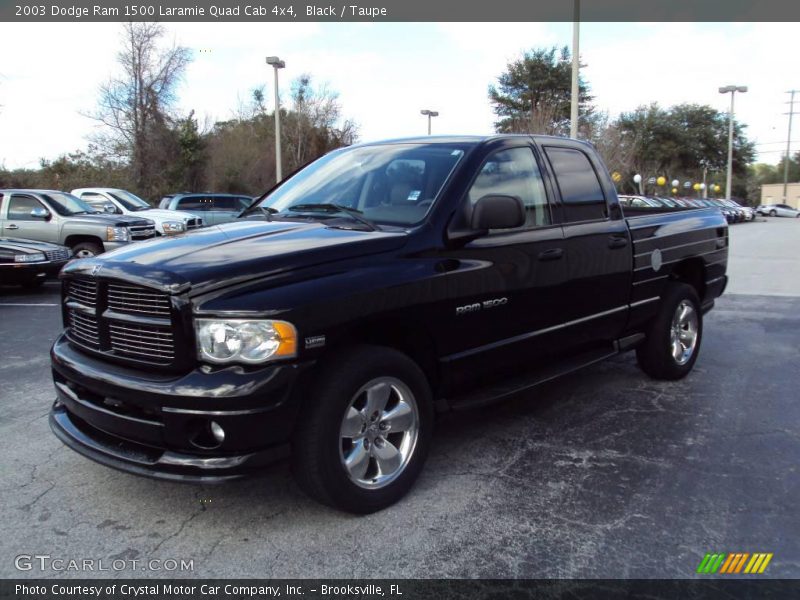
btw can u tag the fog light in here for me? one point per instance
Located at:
(217, 431)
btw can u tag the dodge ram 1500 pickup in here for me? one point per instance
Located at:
(376, 287)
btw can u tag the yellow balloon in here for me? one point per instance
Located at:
(674, 190)
(696, 187)
(661, 180)
(616, 177)
(717, 188)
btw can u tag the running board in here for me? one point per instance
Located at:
(500, 391)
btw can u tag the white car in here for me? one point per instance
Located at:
(778, 210)
(112, 200)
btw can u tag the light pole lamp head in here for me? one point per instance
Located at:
(276, 62)
(429, 113)
(733, 88)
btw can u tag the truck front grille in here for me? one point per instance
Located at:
(137, 300)
(193, 224)
(124, 321)
(142, 232)
(151, 344)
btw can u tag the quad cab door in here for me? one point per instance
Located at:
(505, 286)
(598, 266)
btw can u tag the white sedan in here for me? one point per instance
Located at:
(778, 210)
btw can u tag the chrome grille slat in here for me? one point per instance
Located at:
(117, 345)
(83, 291)
(84, 329)
(133, 299)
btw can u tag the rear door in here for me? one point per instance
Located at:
(20, 223)
(225, 208)
(505, 292)
(599, 263)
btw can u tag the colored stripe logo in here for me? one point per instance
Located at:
(734, 563)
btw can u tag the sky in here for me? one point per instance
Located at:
(386, 72)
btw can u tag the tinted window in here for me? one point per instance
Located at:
(231, 204)
(194, 203)
(514, 172)
(20, 207)
(581, 191)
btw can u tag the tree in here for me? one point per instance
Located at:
(680, 142)
(534, 94)
(136, 107)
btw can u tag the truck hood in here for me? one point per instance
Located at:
(28, 246)
(109, 220)
(223, 255)
(159, 214)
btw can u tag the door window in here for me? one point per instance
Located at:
(581, 192)
(514, 172)
(20, 207)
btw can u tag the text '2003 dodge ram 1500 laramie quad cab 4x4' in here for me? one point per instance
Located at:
(371, 289)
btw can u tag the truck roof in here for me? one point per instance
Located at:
(467, 139)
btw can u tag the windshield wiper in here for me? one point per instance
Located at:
(354, 213)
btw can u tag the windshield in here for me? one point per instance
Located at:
(67, 204)
(393, 183)
(128, 200)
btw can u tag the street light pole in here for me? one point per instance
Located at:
(575, 94)
(430, 114)
(732, 89)
(277, 63)
(788, 147)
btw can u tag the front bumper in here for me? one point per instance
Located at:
(157, 424)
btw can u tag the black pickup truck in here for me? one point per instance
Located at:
(379, 285)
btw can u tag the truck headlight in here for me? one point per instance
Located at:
(34, 257)
(244, 340)
(173, 227)
(118, 234)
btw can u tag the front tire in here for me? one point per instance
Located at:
(673, 338)
(87, 250)
(363, 436)
(773, 213)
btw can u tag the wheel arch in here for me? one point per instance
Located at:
(75, 239)
(691, 271)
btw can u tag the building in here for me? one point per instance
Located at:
(772, 193)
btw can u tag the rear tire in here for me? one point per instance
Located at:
(773, 213)
(364, 434)
(87, 250)
(673, 338)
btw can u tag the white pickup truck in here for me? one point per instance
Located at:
(122, 202)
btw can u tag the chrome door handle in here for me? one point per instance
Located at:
(12, 226)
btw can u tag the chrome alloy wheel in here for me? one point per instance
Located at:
(379, 432)
(84, 253)
(683, 333)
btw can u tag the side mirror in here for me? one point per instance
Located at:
(498, 212)
(110, 208)
(40, 213)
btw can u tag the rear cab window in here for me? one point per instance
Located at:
(581, 191)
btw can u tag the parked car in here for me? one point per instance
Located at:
(29, 263)
(748, 213)
(778, 210)
(61, 218)
(731, 215)
(122, 202)
(376, 286)
(212, 208)
(639, 202)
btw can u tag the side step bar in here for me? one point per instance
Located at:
(502, 390)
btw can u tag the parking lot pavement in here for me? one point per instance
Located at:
(604, 474)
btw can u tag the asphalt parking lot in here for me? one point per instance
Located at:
(605, 474)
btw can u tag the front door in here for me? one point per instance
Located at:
(20, 223)
(504, 287)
